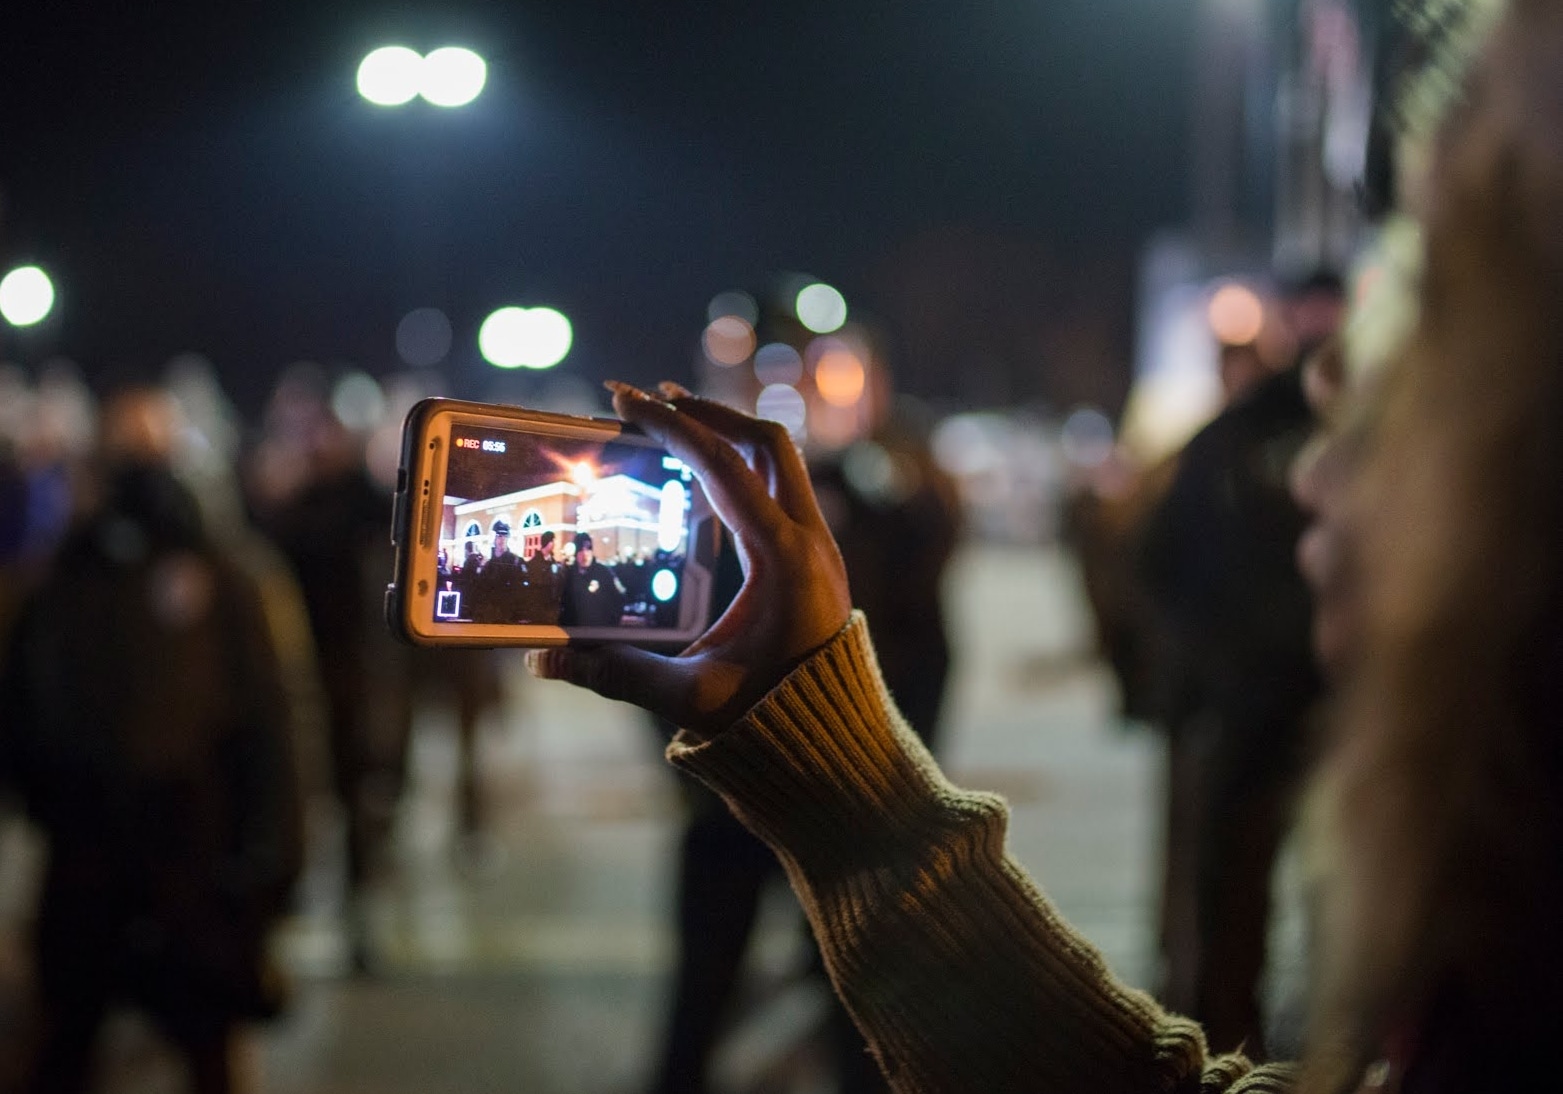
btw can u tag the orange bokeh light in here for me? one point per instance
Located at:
(1236, 314)
(839, 377)
(729, 340)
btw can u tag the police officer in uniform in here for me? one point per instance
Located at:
(499, 586)
(544, 579)
(592, 595)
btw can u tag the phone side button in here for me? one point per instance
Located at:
(398, 516)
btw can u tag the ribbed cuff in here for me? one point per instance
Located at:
(825, 765)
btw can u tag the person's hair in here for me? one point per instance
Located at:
(545, 539)
(1442, 796)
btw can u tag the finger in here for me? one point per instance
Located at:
(770, 441)
(657, 683)
(742, 503)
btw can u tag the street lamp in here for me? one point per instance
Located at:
(515, 337)
(395, 75)
(26, 296)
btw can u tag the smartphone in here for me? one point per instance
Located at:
(516, 527)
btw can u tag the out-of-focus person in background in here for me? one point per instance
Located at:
(146, 728)
(46, 433)
(896, 519)
(1238, 676)
(311, 492)
(1110, 500)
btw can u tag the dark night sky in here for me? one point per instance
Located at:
(205, 177)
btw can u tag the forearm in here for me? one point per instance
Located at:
(958, 970)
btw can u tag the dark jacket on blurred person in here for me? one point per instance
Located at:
(146, 729)
(1239, 683)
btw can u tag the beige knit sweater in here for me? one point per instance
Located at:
(959, 971)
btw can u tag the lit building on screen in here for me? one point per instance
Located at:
(627, 518)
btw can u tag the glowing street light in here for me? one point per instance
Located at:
(515, 337)
(452, 76)
(26, 296)
(395, 75)
(390, 75)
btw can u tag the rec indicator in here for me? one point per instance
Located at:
(483, 445)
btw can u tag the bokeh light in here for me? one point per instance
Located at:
(820, 308)
(452, 76)
(1087, 437)
(839, 375)
(26, 296)
(782, 403)
(672, 505)
(358, 401)
(514, 337)
(729, 340)
(1236, 314)
(423, 337)
(777, 363)
(390, 75)
(664, 585)
(733, 302)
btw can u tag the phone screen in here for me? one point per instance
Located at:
(559, 531)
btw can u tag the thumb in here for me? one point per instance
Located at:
(653, 681)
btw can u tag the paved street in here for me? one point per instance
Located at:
(539, 963)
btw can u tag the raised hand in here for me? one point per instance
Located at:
(794, 596)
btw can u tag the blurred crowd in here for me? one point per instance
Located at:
(172, 574)
(199, 688)
(194, 656)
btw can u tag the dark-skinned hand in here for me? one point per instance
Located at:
(794, 597)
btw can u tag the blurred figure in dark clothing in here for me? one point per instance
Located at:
(896, 517)
(146, 729)
(1220, 564)
(314, 497)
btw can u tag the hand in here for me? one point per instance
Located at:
(794, 597)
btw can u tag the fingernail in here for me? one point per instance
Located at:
(619, 387)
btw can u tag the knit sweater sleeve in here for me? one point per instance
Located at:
(959, 972)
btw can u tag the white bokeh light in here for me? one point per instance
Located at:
(1087, 437)
(782, 403)
(821, 308)
(670, 515)
(358, 401)
(514, 337)
(390, 75)
(423, 337)
(26, 296)
(452, 76)
(664, 585)
(778, 363)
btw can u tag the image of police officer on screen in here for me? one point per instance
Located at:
(593, 597)
(544, 578)
(498, 590)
